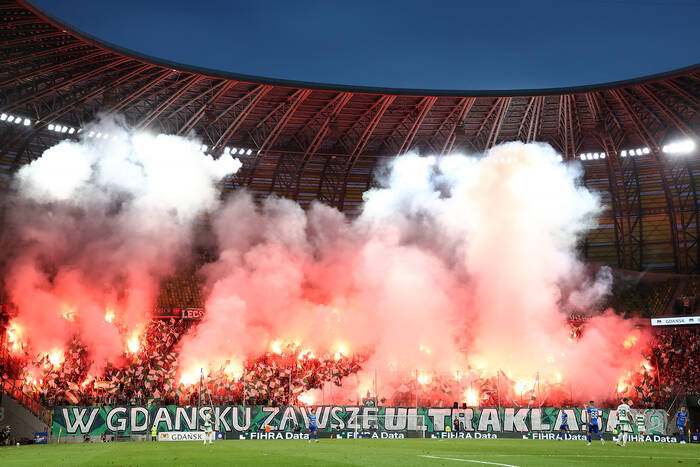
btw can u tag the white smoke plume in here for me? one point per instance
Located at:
(94, 225)
(456, 264)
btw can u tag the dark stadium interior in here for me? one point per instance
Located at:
(320, 142)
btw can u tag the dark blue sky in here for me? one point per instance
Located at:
(496, 44)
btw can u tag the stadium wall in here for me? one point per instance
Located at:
(250, 422)
(23, 423)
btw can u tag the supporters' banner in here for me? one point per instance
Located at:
(192, 313)
(675, 321)
(251, 422)
(178, 313)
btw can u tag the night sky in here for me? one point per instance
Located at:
(496, 44)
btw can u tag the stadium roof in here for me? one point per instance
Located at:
(311, 141)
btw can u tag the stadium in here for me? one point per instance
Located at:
(187, 254)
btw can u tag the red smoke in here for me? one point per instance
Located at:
(457, 267)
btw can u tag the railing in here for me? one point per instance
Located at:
(9, 388)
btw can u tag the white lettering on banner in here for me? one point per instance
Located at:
(134, 417)
(190, 421)
(352, 418)
(192, 313)
(268, 420)
(163, 415)
(289, 415)
(395, 418)
(489, 418)
(514, 420)
(438, 416)
(335, 418)
(370, 417)
(79, 414)
(220, 420)
(536, 421)
(323, 414)
(235, 418)
(121, 422)
(675, 321)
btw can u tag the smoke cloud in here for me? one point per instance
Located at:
(459, 266)
(94, 226)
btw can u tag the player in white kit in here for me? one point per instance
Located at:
(623, 418)
(208, 433)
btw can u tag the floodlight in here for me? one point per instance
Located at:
(684, 146)
(249, 152)
(27, 122)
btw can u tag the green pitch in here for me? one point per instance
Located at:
(355, 452)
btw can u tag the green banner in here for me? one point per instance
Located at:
(236, 420)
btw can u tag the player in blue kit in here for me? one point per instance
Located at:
(313, 429)
(564, 427)
(593, 415)
(682, 424)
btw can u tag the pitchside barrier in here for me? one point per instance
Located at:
(289, 422)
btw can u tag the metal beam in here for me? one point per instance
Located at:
(197, 115)
(160, 109)
(423, 108)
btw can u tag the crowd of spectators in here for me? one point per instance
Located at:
(676, 353)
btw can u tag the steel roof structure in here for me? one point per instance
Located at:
(312, 141)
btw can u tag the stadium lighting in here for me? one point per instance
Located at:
(3, 117)
(249, 152)
(596, 155)
(645, 150)
(71, 131)
(50, 127)
(18, 120)
(241, 151)
(603, 155)
(27, 122)
(64, 129)
(99, 135)
(583, 157)
(204, 148)
(684, 146)
(91, 134)
(227, 150)
(560, 159)
(623, 153)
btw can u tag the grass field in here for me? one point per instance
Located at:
(354, 452)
